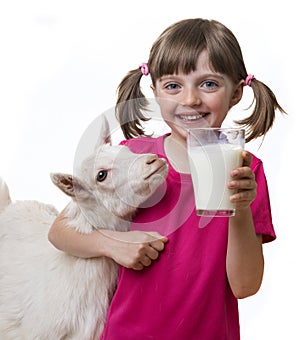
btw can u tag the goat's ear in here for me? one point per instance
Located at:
(105, 137)
(69, 184)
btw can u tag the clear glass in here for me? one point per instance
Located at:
(213, 153)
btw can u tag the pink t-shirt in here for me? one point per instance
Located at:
(185, 294)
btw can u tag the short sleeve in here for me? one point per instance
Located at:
(260, 207)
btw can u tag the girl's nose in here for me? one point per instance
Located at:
(191, 97)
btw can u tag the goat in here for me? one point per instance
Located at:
(49, 294)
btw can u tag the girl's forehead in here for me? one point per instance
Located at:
(202, 65)
(203, 61)
(184, 64)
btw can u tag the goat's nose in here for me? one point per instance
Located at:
(151, 158)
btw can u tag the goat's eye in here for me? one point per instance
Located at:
(102, 174)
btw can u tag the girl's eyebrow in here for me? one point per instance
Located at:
(213, 75)
(167, 77)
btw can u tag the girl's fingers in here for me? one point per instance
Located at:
(146, 261)
(246, 184)
(243, 180)
(147, 253)
(137, 266)
(243, 196)
(152, 253)
(244, 172)
(247, 158)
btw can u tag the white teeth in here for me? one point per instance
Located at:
(190, 117)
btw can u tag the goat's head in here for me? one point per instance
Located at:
(113, 180)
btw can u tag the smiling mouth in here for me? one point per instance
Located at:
(192, 117)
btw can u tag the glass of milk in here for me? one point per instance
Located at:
(213, 153)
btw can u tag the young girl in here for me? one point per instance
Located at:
(181, 280)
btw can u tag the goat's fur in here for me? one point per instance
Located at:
(46, 293)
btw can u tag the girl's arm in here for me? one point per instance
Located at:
(245, 262)
(132, 249)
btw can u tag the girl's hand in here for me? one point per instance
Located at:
(134, 249)
(243, 179)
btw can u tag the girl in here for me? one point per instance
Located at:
(182, 281)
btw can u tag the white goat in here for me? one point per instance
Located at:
(46, 293)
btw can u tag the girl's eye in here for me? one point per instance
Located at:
(101, 176)
(209, 84)
(172, 86)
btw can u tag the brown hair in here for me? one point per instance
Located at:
(177, 49)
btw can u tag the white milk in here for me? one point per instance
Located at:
(210, 169)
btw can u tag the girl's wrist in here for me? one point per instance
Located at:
(106, 240)
(241, 214)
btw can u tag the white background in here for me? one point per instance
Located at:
(60, 64)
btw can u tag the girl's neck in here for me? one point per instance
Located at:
(176, 152)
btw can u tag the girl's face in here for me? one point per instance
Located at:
(201, 98)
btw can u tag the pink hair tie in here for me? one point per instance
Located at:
(248, 80)
(144, 68)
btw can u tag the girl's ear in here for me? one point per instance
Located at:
(155, 93)
(153, 89)
(237, 94)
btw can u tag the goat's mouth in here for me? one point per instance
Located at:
(160, 168)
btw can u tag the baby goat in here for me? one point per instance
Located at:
(46, 293)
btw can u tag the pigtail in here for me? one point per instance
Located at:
(130, 104)
(263, 115)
